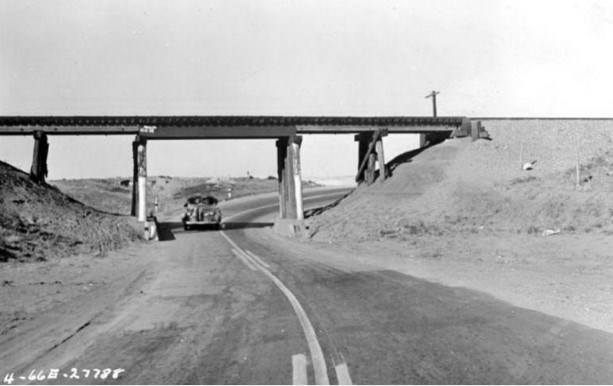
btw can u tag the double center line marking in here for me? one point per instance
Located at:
(254, 263)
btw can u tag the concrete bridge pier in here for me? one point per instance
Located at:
(39, 171)
(362, 139)
(139, 178)
(289, 178)
(294, 156)
(423, 140)
(370, 151)
(381, 157)
(134, 205)
(281, 156)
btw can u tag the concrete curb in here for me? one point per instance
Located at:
(291, 228)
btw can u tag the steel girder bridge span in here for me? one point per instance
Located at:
(287, 131)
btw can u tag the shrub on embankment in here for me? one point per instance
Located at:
(462, 186)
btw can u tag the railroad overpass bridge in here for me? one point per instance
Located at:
(287, 131)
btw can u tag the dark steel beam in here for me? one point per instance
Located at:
(218, 132)
(67, 130)
(197, 127)
(209, 120)
(155, 132)
(199, 132)
(362, 129)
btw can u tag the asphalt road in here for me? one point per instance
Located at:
(243, 306)
(391, 328)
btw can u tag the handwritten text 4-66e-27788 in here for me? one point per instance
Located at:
(72, 374)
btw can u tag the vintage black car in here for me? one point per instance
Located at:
(201, 210)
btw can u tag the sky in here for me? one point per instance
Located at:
(255, 57)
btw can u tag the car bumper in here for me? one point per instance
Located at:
(203, 221)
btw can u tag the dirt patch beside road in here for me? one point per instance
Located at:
(29, 291)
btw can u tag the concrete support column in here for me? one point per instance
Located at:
(366, 156)
(475, 129)
(370, 149)
(290, 178)
(362, 140)
(39, 171)
(135, 144)
(297, 175)
(142, 180)
(423, 140)
(381, 159)
(290, 194)
(282, 144)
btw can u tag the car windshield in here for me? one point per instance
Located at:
(194, 200)
(208, 200)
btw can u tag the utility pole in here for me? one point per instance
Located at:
(433, 96)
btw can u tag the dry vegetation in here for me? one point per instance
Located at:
(39, 222)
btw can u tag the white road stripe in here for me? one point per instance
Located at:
(249, 258)
(317, 356)
(342, 374)
(243, 259)
(299, 369)
(257, 259)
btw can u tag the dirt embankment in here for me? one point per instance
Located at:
(38, 222)
(461, 186)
